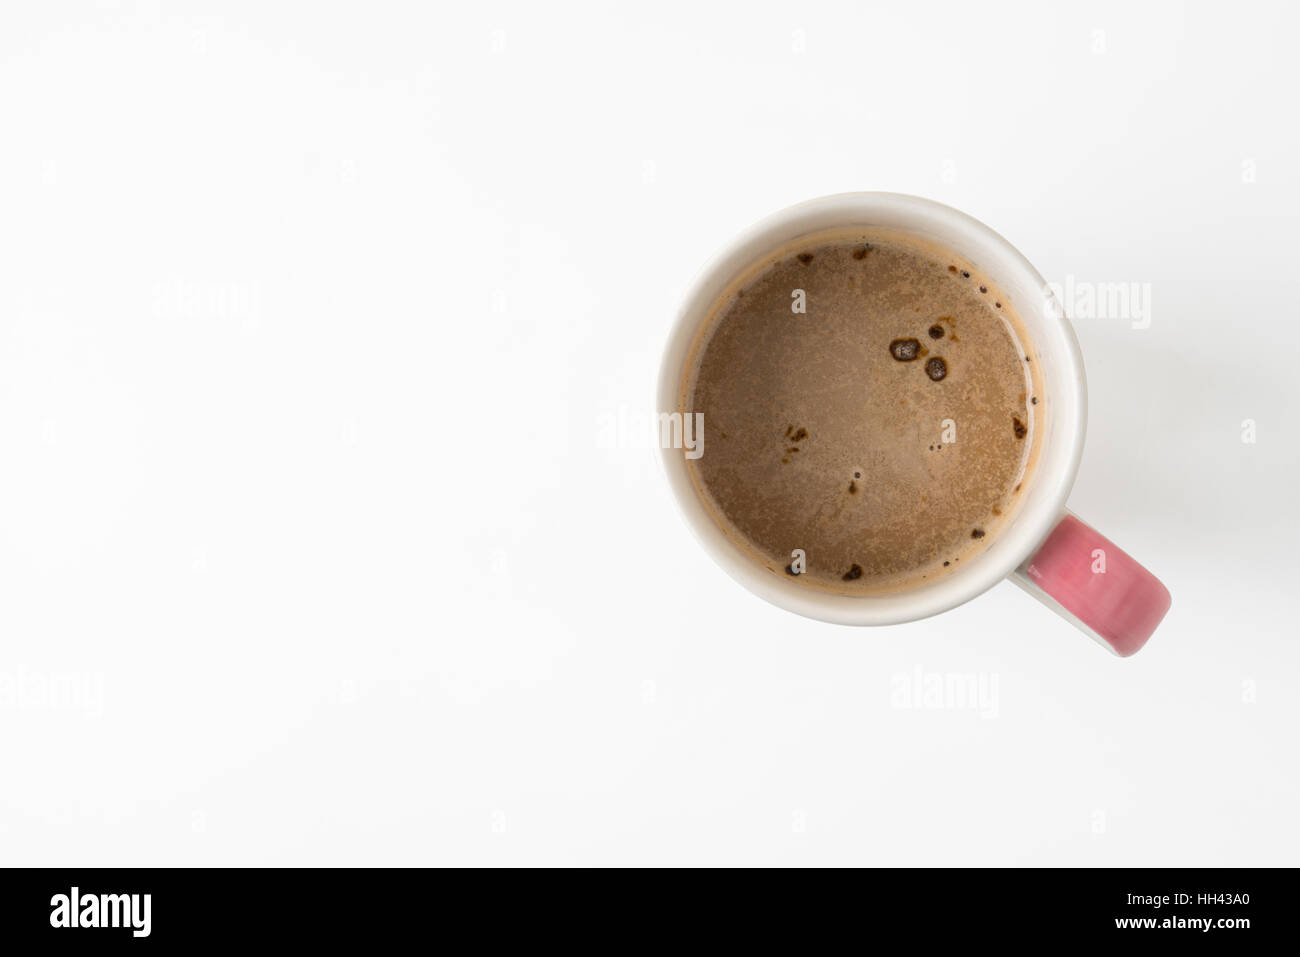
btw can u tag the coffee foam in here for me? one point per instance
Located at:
(821, 436)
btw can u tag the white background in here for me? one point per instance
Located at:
(328, 533)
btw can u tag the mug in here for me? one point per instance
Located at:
(1045, 549)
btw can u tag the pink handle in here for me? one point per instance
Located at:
(1098, 586)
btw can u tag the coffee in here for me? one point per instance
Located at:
(868, 410)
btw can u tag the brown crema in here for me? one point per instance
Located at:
(867, 402)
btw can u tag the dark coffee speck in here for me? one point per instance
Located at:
(905, 350)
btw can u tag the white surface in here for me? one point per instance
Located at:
(310, 321)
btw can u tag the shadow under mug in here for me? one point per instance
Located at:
(1044, 548)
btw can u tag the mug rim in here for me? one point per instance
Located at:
(1054, 472)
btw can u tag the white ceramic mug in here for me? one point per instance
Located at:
(1043, 548)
